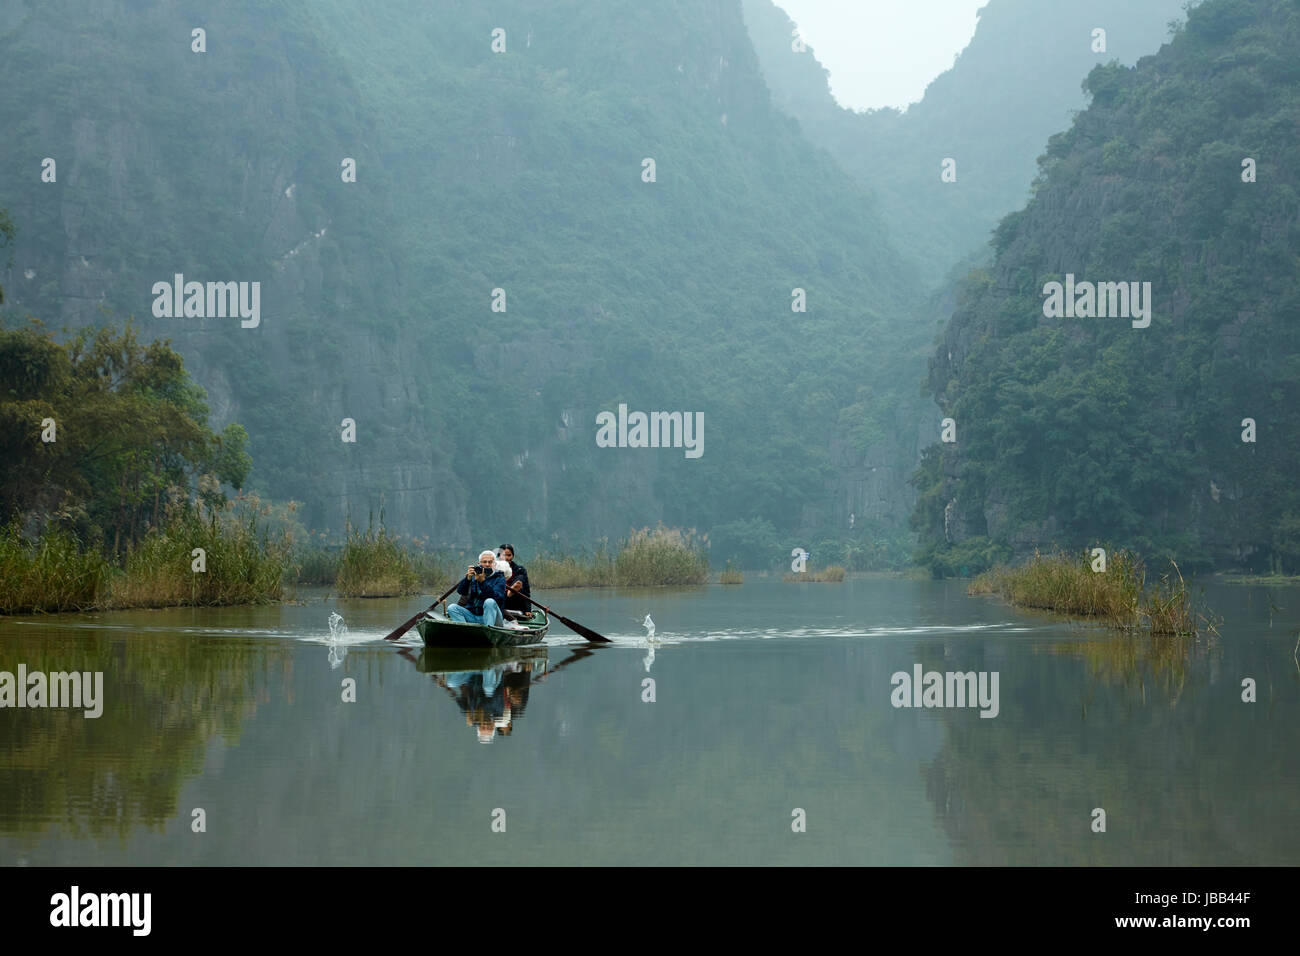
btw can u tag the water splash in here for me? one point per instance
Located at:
(338, 633)
(649, 626)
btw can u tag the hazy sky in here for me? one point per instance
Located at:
(883, 52)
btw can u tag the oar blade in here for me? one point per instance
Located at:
(403, 628)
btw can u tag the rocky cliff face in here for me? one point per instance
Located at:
(475, 170)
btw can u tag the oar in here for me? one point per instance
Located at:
(574, 626)
(403, 628)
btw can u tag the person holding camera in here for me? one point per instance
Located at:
(484, 590)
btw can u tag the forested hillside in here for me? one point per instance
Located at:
(476, 170)
(560, 210)
(1181, 436)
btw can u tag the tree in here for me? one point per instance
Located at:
(130, 432)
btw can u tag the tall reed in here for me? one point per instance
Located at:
(374, 564)
(646, 558)
(664, 556)
(834, 573)
(54, 573)
(1118, 596)
(217, 558)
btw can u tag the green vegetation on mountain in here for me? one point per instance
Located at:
(112, 478)
(476, 171)
(164, 703)
(525, 171)
(103, 434)
(1072, 431)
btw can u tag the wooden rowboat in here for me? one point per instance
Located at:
(437, 631)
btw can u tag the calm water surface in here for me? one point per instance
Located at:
(769, 697)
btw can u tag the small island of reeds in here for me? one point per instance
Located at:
(659, 557)
(731, 575)
(1118, 597)
(833, 573)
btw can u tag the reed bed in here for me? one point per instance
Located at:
(375, 564)
(240, 564)
(662, 557)
(570, 571)
(1118, 597)
(1169, 609)
(55, 573)
(833, 573)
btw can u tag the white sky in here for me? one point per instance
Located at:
(883, 52)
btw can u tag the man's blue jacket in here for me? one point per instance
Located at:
(493, 586)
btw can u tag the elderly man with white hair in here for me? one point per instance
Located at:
(484, 588)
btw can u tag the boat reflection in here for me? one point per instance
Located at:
(489, 685)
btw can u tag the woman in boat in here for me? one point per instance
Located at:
(484, 590)
(517, 583)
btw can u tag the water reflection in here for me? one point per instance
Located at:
(491, 685)
(1149, 665)
(164, 700)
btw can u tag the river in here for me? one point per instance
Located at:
(759, 726)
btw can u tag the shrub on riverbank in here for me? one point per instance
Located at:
(1118, 596)
(731, 575)
(1169, 610)
(664, 556)
(375, 564)
(320, 565)
(1067, 584)
(833, 573)
(646, 558)
(240, 564)
(569, 571)
(54, 573)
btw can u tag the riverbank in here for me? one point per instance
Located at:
(662, 557)
(195, 560)
(220, 557)
(377, 565)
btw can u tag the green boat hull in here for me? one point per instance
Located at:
(440, 632)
